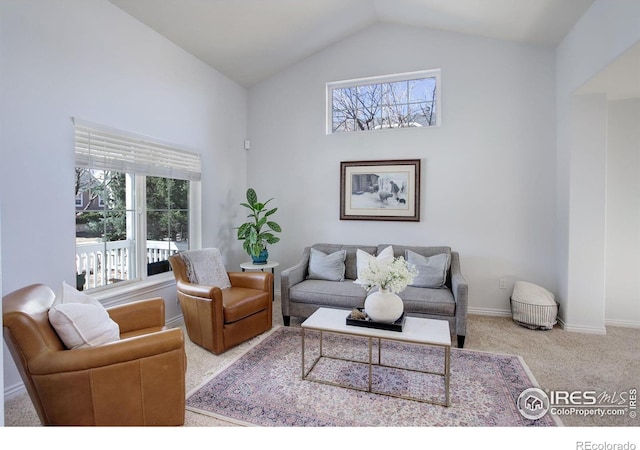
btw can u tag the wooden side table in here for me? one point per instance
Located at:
(269, 265)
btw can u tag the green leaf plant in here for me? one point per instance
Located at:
(258, 232)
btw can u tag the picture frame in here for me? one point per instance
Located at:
(380, 190)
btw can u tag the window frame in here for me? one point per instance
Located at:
(79, 200)
(140, 175)
(376, 80)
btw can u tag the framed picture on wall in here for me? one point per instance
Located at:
(380, 190)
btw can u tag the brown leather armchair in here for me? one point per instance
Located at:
(218, 319)
(138, 380)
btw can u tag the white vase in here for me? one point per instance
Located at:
(383, 306)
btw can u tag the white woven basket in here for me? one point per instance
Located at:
(533, 306)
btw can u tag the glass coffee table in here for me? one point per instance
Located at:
(416, 330)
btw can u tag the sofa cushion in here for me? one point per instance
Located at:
(240, 302)
(432, 270)
(401, 250)
(363, 258)
(326, 267)
(343, 294)
(350, 263)
(425, 300)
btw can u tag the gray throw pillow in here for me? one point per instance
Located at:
(327, 267)
(432, 270)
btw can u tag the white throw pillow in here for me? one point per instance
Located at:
(432, 270)
(363, 258)
(327, 267)
(80, 320)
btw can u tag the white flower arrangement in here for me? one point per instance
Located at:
(394, 275)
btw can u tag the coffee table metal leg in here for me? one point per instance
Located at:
(303, 374)
(447, 373)
(370, 356)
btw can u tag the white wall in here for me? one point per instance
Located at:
(587, 204)
(89, 59)
(488, 173)
(622, 294)
(606, 30)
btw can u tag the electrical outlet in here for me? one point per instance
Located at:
(502, 283)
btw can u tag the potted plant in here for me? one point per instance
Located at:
(258, 232)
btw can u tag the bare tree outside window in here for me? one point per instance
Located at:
(402, 103)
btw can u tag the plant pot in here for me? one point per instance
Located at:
(81, 278)
(383, 306)
(261, 258)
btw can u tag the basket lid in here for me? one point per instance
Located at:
(532, 294)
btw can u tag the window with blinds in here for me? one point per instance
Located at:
(99, 147)
(132, 197)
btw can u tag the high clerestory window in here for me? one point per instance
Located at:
(133, 198)
(393, 101)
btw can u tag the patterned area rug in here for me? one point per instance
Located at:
(264, 386)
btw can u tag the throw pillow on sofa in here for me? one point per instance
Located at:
(363, 258)
(432, 270)
(327, 267)
(81, 321)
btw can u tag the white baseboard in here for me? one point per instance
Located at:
(599, 330)
(175, 321)
(622, 323)
(13, 391)
(489, 312)
(577, 328)
(583, 329)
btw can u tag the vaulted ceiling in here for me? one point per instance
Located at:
(249, 40)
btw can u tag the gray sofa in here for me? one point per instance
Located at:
(301, 296)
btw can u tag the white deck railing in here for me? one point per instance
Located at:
(112, 261)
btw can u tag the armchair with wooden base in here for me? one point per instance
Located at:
(218, 319)
(136, 380)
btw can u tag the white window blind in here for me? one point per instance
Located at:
(99, 147)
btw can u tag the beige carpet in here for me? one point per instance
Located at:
(558, 359)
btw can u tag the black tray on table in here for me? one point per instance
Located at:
(368, 323)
